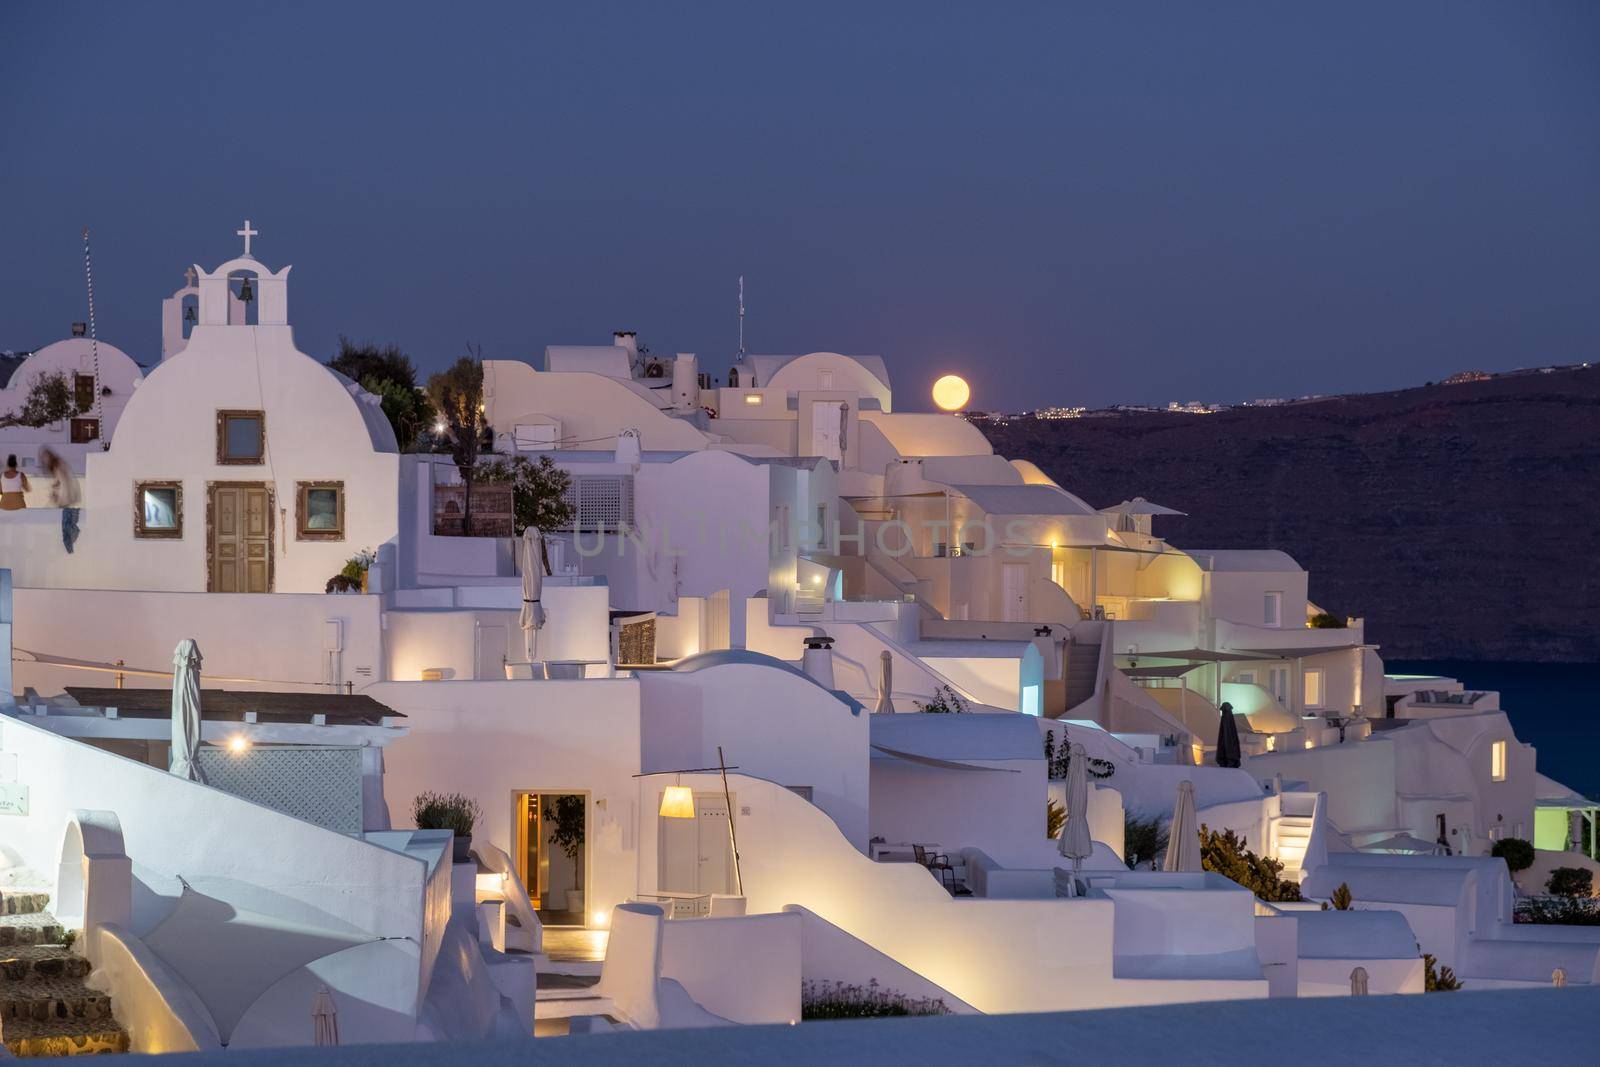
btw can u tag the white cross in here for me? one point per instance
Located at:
(188, 274)
(247, 233)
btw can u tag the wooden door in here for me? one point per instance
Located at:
(240, 546)
(1014, 592)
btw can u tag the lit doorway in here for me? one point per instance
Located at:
(553, 854)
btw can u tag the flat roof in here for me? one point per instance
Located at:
(227, 705)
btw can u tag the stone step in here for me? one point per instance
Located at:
(36, 928)
(40, 999)
(23, 901)
(62, 1037)
(21, 962)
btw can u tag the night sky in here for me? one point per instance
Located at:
(1067, 203)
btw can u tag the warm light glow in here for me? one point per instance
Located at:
(600, 918)
(677, 802)
(1309, 743)
(951, 392)
(1497, 761)
(817, 580)
(1272, 743)
(238, 743)
(752, 398)
(438, 427)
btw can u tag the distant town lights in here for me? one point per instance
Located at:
(951, 392)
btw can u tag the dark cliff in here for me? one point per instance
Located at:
(1462, 521)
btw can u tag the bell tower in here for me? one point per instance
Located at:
(271, 290)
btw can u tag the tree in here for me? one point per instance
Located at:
(1571, 882)
(387, 373)
(1142, 838)
(1341, 899)
(457, 394)
(1517, 853)
(540, 494)
(1223, 851)
(50, 399)
(1055, 817)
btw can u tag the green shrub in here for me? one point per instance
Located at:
(1438, 979)
(1224, 852)
(824, 999)
(1571, 882)
(1323, 620)
(1341, 899)
(446, 811)
(1517, 853)
(1142, 839)
(1560, 911)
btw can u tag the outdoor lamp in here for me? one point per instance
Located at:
(677, 802)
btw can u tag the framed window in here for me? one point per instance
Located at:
(320, 511)
(1245, 677)
(158, 510)
(1497, 761)
(241, 437)
(1313, 683)
(1272, 613)
(83, 391)
(85, 430)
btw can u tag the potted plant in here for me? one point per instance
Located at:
(566, 833)
(448, 811)
(352, 577)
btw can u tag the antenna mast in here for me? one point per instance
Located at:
(741, 316)
(94, 341)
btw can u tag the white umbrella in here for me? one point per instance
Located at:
(1076, 844)
(184, 759)
(1183, 837)
(532, 588)
(1358, 982)
(324, 1018)
(885, 704)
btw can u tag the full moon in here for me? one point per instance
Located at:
(951, 392)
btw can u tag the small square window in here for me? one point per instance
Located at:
(158, 510)
(321, 511)
(83, 391)
(241, 437)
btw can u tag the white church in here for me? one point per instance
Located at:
(826, 694)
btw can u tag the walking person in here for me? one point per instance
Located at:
(13, 483)
(63, 494)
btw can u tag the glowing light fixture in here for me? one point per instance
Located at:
(753, 399)
(677, 802)
(951, 392)
(238, 744)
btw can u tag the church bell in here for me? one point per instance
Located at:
(246, 293)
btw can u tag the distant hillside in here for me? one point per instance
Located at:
(1462, 521)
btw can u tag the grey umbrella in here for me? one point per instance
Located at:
(1076, 843)
(532, 618)
(1183, 839)
(885, 705)
(184, 759)
(1228, 751)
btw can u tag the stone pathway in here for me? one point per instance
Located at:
(45, 1007)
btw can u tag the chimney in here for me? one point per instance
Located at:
(80, 329)
(626, 339)
(685, 381)
(817, 660)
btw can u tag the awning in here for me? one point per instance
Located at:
(1296, 653)
(945, 764)
(1160, 672)
(1203, 655)
(1140, 506)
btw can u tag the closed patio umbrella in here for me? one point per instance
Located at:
(184, 759)
(1183, 838)
(1228, 751)
(1358, 982)
(885, 704)
(324, 1018)
(1076, 844)
(532, 560)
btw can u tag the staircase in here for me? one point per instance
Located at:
(1082, 671)
(45, 1007)
(1292, 834)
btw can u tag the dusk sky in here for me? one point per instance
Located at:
(1067, 203)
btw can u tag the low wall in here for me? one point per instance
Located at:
(158, 1009)
(829, 954)
(745, 969)
(281, 639)
(989, 880)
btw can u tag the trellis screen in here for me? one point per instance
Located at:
(319, 784)
(601, 502)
